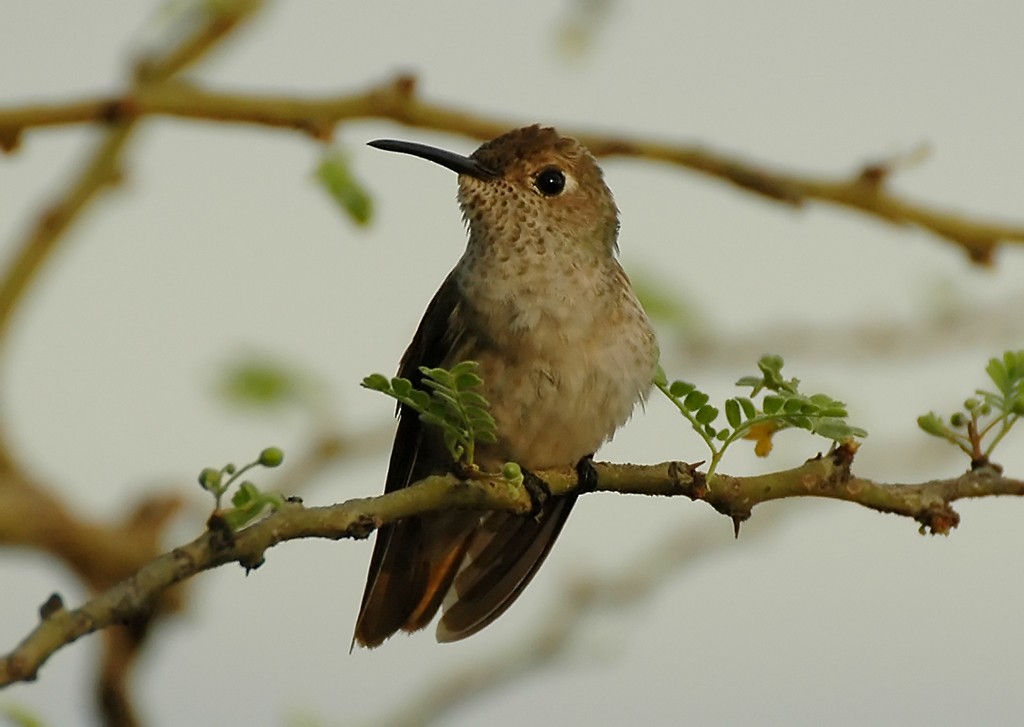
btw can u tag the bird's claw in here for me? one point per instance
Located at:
(538, 490)
(586, 474)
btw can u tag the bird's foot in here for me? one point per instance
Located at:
(538, 490)
(586, 474)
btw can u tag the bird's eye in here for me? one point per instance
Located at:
(550, 182)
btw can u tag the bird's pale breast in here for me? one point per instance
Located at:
(566, 352)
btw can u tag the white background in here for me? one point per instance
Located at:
(219, 244)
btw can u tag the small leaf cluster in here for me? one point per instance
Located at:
(336, 176)
(259, 383)
(266, 383)
(17, 715)
(248, 501)
(988, 414)
(448, 402)
(782, 406)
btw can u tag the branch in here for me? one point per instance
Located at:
(828, 476)
(103, 168)
(398, 101)
(29, 515)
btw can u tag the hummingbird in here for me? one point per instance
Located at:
(565, 351)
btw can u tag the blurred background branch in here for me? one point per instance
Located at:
(398, 101)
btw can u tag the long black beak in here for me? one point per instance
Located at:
(456, 162)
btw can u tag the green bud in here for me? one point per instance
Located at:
(931, 424)
(271, 457)
(209, 478)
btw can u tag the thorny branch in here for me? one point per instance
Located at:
(825, 476)
(398, 101)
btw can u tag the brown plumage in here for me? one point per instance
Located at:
(565, 351)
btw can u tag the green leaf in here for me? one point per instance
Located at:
(679, 389)
(660, 379)
(706, 414)
(799, 421)
(401, 387)
(259, 382)
(245, 494)
(792, 406)
(732, 413)
(473, 399)
(447, 402)
(450, 400)
(999, 372)
(1013, 361)
(772, 405)
(695, 400)
(335, 175)
(467, 380)
(463, 367)
(419, 400)
(434, 419)
(376, 382)
(437, 377)
(837, 430)
(749, 410)
(771, 366)
(663, 304)
(16, 715)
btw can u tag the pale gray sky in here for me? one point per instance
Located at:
(219, 243)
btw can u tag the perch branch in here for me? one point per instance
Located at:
(825, 476)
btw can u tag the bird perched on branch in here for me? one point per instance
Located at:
(565, 351)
